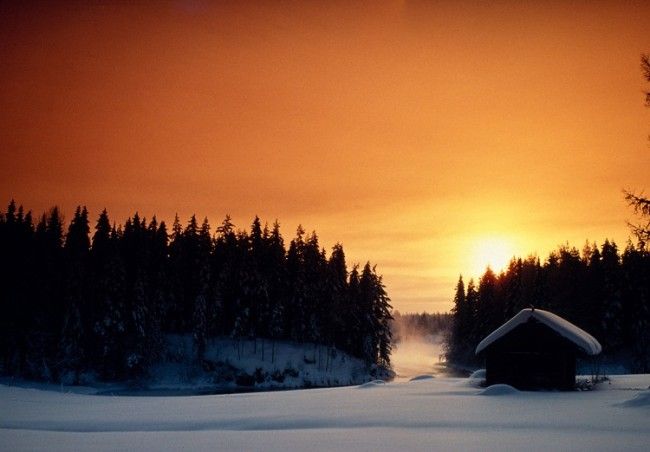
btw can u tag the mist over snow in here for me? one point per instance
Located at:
(418, 344)
(418, 355)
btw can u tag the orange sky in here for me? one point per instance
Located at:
(412, 132)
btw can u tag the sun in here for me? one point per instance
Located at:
(495, 252)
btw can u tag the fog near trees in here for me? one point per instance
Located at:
(418, 343)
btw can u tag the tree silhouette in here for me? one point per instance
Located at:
(639, 202)
(601, 291)
(74, 305)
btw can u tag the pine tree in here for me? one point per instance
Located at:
(174, 318)
(382, 314)
(337, 276)
(109, 339)
(489, 309)
(512, 286)
(16, 283)
(156, 281)
(297, 304)
(202, 307)
(376, 317)
(257, 282)
(314, 303)
(472, 300)
(48, 307)
(226, 262)
(354, 315)
(369, 342)
(612, 314)
(72, 347)
(275, 265)
(459, 342)
(636, 306)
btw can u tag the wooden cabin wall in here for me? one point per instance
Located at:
(532, 356)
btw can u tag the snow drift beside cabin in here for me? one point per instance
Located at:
(561, 326)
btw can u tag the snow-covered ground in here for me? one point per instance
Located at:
(424, 414)
(257, 364)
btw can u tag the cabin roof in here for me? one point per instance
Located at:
(564, 328)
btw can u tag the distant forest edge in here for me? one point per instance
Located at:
(71, 303)
(602, 291)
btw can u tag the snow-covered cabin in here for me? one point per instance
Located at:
(535, 349)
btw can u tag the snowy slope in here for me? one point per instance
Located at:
(256, 364)
(431, 414)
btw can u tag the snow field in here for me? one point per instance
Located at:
(426, 414)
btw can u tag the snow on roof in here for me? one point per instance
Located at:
(563, 327)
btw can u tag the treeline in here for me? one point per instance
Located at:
(602, 291)
(405, 327)
(72, 303)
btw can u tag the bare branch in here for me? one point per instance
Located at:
(639, 203)
(645, 68)
(641, 206)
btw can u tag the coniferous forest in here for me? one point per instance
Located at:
(602, 290)
(75, 300)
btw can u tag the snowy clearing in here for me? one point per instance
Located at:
(439, 413)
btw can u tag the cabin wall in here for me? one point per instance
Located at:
(532, 356)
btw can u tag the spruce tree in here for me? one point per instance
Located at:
(297, 304)
(203, 300)
(337, 275)
(109, 301)
(489, 314)
(226, 262)
(382, 314)
(612, 313)
(17, 280)
(174, 316)
(353, 315)
(369, 339)
(471, 298)
(48, 307)
(104, 265)
(458, 342)
(74, 335)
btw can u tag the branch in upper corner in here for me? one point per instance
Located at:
(641, 206)
(645, 68)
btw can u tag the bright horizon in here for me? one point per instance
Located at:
(431, 139)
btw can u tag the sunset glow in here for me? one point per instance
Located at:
(493, 252)
(430, 138)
